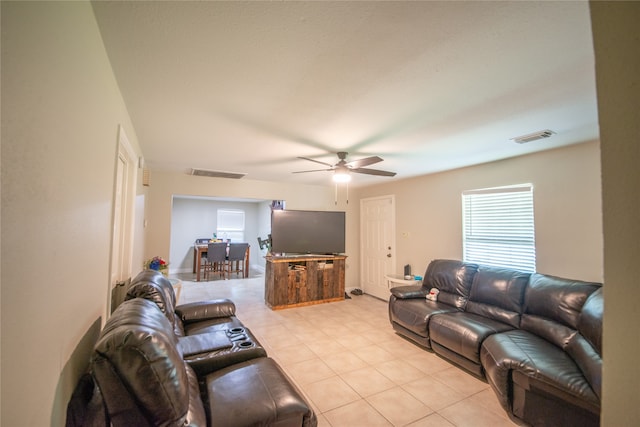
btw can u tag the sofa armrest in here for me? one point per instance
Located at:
(409, 292)
(202, 310)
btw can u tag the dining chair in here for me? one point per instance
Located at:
(237, 253)
(216, 259)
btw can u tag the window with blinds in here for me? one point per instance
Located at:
(498, 227)
(230, 225)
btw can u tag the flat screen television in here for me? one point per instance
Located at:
(307, 232)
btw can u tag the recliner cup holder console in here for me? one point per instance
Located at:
(240, 337)
(241, 345)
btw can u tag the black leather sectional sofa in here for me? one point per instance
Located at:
(196, 364)
(536, 339)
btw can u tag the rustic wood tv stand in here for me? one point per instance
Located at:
(299, 280)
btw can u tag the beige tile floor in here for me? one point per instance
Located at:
(352, 367)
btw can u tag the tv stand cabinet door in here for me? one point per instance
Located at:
(277, 275)
(334, 280)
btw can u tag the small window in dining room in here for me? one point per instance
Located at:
(230, 225)
(499, 228)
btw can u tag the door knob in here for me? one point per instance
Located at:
(388, 255)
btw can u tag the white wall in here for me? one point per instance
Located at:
(197, 218)
(61, 108)
(567, 203)
(616, 33)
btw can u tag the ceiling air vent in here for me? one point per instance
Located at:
(217, 174)
(533, 136)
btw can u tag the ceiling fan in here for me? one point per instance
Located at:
(343, 169)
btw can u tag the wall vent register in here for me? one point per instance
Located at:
(533, 136)
(217, 174)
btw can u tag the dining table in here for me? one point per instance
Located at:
(200, 250)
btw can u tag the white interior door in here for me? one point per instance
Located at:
(123, 214)
(377, 244)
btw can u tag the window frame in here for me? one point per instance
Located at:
(498, 227)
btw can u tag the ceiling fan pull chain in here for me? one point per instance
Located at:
(336, 197)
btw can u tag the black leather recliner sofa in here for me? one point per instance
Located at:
(209, 333)
(191, 365)
(535, 338)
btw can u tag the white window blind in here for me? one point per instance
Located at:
(498, 227)
(230, 225)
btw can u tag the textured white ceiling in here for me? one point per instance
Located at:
(428, 86)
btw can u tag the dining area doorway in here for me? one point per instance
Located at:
(197, 221)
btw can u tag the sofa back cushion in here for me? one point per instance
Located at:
(139, 369)
(153, 286)
(163, 284)
(452, 278)
(552, 307)
(140, 313)
(498, 293)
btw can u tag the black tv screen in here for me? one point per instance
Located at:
(307, 232)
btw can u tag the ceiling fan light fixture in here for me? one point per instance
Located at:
(343, 169)
(340, 176)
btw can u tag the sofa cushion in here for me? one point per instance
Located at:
(590, 323)
(588, 360)
(256, 392)
(537, 407)
(140, 312)
(153, 286)
(207, 309)
(168, 303)
(586, 346)
(564, 383)
(498, 293)
(201, 343)
(212, 325)
(531, 361)
(552, 307)
(208, 352)
(463, 333)
(452, 278)
(414, 314)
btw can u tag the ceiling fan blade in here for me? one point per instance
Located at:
(316, 161)
(355, 164)
(313, 170)
(373, 172)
